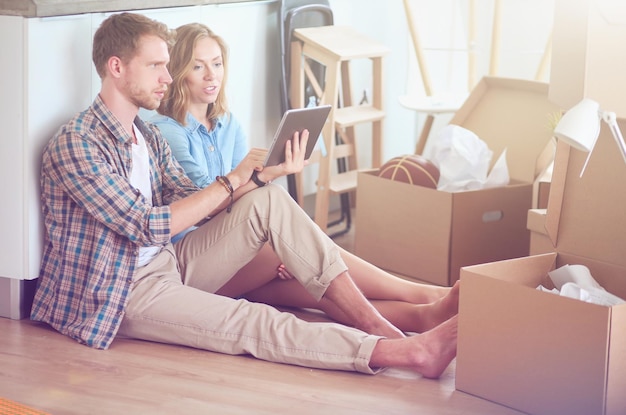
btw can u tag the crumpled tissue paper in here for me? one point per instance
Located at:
(463, 160)
(575, 281)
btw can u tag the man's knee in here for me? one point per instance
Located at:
(271, 193)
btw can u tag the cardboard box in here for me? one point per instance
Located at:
(540, 242)
(538, 352)
(542, 193)
(429, 235)
(543, 174)
(588, 57)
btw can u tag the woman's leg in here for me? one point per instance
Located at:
(257, 282)
(410, 306)
(373, 282)
(377, 284)
(406, 316)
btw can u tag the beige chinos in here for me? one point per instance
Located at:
(172, 300)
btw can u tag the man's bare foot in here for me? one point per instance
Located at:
(437, 349)
(429, 353)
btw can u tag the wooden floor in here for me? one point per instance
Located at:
(50, 372)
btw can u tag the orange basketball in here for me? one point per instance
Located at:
(412, 169)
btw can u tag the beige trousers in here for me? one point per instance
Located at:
(172, 300)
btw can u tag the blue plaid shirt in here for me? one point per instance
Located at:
(96, 220)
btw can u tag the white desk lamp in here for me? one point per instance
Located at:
(580, 126)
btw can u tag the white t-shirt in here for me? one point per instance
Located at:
(140, 179)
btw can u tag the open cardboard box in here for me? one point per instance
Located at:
(428, 235)
(538, 352)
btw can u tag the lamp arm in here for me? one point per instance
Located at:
(611, 119)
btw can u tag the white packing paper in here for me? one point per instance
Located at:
(576, 281)
(576, 273)
(463, 160)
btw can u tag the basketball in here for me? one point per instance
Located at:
(412, 169)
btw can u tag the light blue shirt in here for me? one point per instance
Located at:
(204, 154)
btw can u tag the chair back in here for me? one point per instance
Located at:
(295, 14)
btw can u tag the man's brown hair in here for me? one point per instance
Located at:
(119, 35)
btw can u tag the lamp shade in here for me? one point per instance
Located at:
(580, 126)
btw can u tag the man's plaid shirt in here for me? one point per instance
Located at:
(95, 222)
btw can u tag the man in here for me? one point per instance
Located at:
(112, 198)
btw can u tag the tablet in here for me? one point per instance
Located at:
(310, 118)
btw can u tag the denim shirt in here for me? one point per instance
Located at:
(204, 154)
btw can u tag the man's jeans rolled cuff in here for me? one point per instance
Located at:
(318, 286)
(364, 355)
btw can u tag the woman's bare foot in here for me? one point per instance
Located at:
(429, 353)
(429, 316)
(442, 309)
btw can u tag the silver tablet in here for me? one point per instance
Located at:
(310, 118)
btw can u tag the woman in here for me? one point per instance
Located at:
(207, 141)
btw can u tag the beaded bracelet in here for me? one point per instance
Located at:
(223, 180)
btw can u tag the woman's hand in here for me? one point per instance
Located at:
(295, 150)
(283, 274)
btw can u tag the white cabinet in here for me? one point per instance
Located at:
(46, 77)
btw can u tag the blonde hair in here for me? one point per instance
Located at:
(176, 101)
(119, 35)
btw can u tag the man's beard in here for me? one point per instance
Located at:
(141, 98)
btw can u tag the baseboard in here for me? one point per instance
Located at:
(16, 297)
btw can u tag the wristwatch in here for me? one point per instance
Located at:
(256, 180)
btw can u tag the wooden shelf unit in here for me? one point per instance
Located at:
(335, 47)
